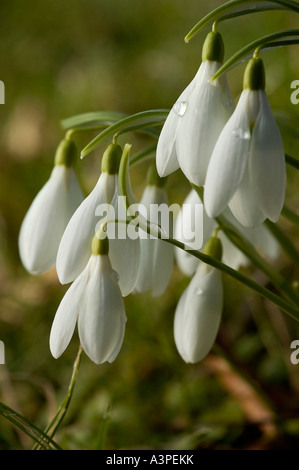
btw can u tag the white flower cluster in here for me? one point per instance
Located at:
(237, 156)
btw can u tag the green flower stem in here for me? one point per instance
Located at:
(145, 117)
(125, 190)
(56, 421)
(292, 161)
(216, 14)
(290, 215)
(255, 45)
(249, 250)
(284, 241)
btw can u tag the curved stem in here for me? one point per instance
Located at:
(235, 4)
(56, 421)
(145, 117)
(249, 48)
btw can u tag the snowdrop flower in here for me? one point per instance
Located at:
(50, 212)
(247, 167)
(74, 249)
(198, 313)
(195, 121)
(259, 236)
(157, 256)
(94, 300)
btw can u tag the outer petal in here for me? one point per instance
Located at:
(267, 162)
(166, 157)
(46, 220)
(186, 262)
(66, 316)
(75, 246)
(244, 204)
(198, 129)
(228, 160)
(157, 256)
(124, 253)
(102, 315)
(198, 315)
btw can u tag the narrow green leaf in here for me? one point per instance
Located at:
(251, 47)
(144, 118)
(39, 436)
(92, 119)
(236, 8)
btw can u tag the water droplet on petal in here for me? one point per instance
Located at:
(180, 108)
(199, 292)
(239, 133)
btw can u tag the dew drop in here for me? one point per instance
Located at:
(239, 133)
(180, 108)
(199, 291)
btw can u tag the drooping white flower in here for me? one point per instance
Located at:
(259, 236)
(247, 167)
(198, 313)
(95, 301)
(50, 212)
(74, 248)
(157, 255)
(195, 121)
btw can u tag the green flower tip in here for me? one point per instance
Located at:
(254, 75)
(66, 153)
(213, 47)
(100, 244)
(213, 248)
(153, 179)
(111, 159)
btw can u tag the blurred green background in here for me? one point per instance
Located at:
(63, 58)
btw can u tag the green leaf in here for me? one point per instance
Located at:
(239, 8)
(39, 436)
(92, 119)
(143, 119)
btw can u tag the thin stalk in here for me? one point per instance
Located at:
(290, 215)
(56, 421)
(253, 46)
(284, 241)
(145, 117)
(292, 161)
(249, 250)
(217, 13)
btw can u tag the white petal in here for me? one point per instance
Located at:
(267, 162)
(166, 157)
(244, 204)
(201, 124)
(75, 246)
(102, 315)
(232, 256)
(46, 220)
(198, 315)
(66, 316)
(124, 252)
(187, 262)
(228, 160)
(157, 256)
